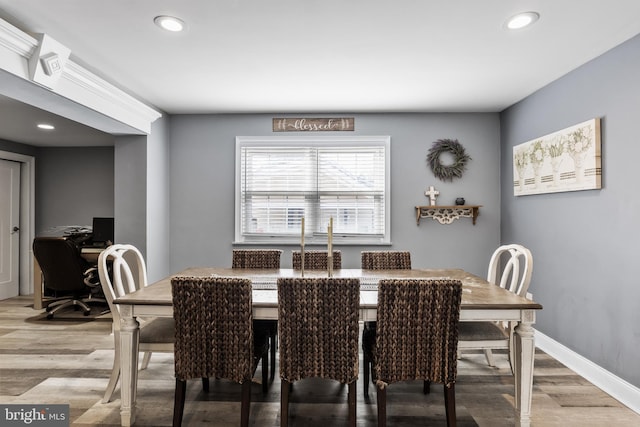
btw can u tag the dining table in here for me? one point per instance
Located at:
(481, 301)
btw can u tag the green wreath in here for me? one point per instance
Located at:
(454, 170)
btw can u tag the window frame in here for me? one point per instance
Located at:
(305, 140)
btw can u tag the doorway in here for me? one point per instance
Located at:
(25, 223)
(9, 228)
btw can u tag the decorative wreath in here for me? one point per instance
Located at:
(454, 170)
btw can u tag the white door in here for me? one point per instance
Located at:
(9, 227)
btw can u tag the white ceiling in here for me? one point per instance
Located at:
(329, 56)
(18, 124)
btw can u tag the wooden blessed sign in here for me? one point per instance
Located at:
(313, 124)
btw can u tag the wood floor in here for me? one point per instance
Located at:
(68, 360)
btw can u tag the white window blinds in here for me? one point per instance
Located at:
(281, 180)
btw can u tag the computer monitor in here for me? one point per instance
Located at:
(102, 230)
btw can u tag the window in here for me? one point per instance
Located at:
(281, 180)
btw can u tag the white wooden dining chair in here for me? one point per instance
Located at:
(122, 270)
(510, 267)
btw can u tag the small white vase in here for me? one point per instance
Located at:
(555, 166)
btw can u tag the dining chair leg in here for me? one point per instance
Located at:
(512, 350)
(145, 360)
(274, 345)
(246, 403)
(265, 372)
(285, 387)
(178, 404)
(366, 366)
(426, 387)
(488, 354)
(450, 404)
(352, 404)
(381, 394)
(115, 370)
(113, 380)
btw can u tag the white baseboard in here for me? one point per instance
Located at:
(621, 390)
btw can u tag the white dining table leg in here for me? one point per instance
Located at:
(129, 338)
(523, 368)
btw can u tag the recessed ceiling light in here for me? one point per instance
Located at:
(522, 20)
(169, 23)
(46, 126)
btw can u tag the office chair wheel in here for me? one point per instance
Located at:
(87, 312)
(50, 316)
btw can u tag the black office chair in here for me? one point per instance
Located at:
(68, 278)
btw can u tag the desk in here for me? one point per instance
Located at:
(91, 254)
(480, 301)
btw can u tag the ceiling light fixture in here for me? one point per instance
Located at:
(169, 23)
(46, 126)
(522, 20)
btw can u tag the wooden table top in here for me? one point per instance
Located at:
(477, 292)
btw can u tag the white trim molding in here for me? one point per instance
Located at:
(76, 84)
(82, 86)
(619, 389)
(17, 41)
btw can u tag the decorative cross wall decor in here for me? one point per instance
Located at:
(432, 193)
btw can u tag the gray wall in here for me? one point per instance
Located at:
(202, 187)
(130, 186)
(158, 243)
(15, 147)
(142, 196)
(585, 271)
(73, 185)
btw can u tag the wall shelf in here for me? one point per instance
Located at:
(448, 214)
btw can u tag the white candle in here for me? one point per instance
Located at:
(302, 233)
(330, 232)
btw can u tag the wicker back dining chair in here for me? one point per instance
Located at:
(378, 260)
(256, 258)
(261, 258)
(318, 334)
(416, 337)
(385, 260)
(510, 268)
(122, 270)
(213, 339)
(316, 260)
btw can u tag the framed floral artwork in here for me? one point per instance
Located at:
(566, 160)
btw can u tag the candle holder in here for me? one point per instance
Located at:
(302, 246)
(330, 247)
